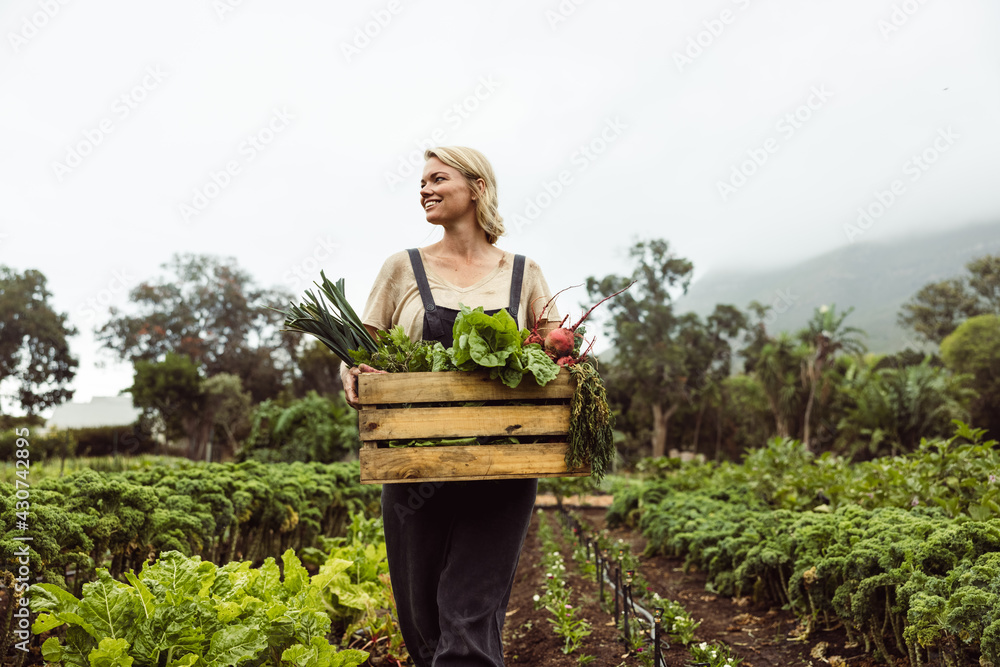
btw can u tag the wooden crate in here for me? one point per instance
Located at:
(381, 418)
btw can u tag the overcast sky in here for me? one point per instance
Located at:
(285, 134)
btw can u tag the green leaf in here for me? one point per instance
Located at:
(980, 512)
(349, 658)
(296, 576)
(228, 611)
(329, 570)
(52, 650)
(189, 660)
(145, 597)
(299, 655)
(110, 606)
(320, 653)
(45, 622)
(49, 597)
(232, 645)
(275, 610)
(266, 580)
(111, 653)
(539, 364)
(182, 577)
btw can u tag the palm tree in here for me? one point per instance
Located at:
(777, 368)
(893, 408)
(826, 336)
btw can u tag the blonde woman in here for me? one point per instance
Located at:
(453, 546)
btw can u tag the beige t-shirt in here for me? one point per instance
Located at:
(395, 297)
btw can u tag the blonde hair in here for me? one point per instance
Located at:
(473, 165)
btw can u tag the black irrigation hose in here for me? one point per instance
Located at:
(625, 593)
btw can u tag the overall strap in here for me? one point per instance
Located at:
(421, 276)
(515, 286)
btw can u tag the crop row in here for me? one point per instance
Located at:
(217, 511)
(183, 611)
(912, 582)
(959, 475)
(620, 568)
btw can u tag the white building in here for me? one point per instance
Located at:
(100, 411)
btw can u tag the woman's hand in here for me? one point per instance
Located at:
(349, 376)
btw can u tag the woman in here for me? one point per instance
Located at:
(452, 559)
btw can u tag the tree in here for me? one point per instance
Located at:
(227, 409)
(778, 368)
(312, 428)
(172, 391)
(201, 410)
(938, 308)
(724, 325)
(826, 336)
(320, 371)
(745, 414)
(651, 361)
(974, 349)
(212, 312)
(34, 353)
(890, 409)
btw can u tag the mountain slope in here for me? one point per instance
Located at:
(875, 278)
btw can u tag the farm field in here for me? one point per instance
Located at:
(788, 558)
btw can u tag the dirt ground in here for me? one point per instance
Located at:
(761, 637)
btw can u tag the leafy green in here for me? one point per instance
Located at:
(903, 551)
(182, 611)
(336, 325)
(496, 343)
(396, 353)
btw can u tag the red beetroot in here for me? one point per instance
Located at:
(560, 343)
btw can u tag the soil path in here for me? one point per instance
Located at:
(761, 637)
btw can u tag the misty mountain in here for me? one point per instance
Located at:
(875, 278)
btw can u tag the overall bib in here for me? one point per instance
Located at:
(453, 547)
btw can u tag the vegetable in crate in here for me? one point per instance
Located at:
(337, 326)
(563, 344)
(396, 353)
(495, 342)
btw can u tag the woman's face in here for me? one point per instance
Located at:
(444, 193)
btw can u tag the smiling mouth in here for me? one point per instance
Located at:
(429, 205)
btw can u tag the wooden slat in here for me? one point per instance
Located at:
(430, 464)
(387, 388)
(459, 422)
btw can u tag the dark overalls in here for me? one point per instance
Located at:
(453, 547)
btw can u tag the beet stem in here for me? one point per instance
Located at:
(587, 314)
